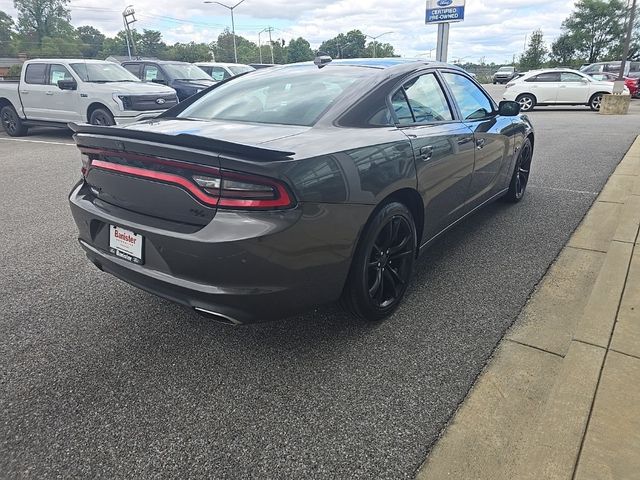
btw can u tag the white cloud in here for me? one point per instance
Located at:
(494, 29)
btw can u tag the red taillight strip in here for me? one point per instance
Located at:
(155, 175)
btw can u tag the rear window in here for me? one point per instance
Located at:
(35, 74)
(288, 96)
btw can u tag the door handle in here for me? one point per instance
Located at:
(24, 92)
(480, 143)
(464, 140)
(49, 93)
(426, 152)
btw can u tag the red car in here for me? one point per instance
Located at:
(633, 84)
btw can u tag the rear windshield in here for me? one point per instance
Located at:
(288, 96)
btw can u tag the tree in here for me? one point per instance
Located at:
(190, 52)
(596, 26)
(150, 44)
(43, 18)
(6, 34)
(92, 40)
(382, 50)
(563, 50)
(535, 54)
(351, 45)
(247, 50)
(299, 50)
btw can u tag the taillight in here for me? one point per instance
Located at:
(241, 190)
(210, 185)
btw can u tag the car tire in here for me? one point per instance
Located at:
(526, 101)
(595, 101)
(101, 116)
(520, 176)
(11, 122)
(382, 265)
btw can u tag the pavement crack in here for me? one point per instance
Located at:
(536, 348)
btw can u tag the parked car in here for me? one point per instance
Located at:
(185, 78)
(632, 69)
(54, 92)
(298, 185)
(504, 74)
(556, 87)
(632, 84)
(222, 71)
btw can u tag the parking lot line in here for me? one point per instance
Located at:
(36, 141)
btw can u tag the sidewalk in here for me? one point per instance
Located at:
(560, 399)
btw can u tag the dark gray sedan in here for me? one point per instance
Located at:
(297, 185)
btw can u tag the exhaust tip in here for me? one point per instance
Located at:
(218, 317)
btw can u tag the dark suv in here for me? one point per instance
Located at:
(186, 79)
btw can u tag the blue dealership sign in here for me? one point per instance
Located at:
(444, 11)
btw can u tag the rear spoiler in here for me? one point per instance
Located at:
(184, 140)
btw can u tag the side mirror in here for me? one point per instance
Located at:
(508, 108)
(67, 85)
(159, 80)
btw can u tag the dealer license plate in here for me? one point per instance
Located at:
(126, 244)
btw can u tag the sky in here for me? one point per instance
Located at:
(493, 29)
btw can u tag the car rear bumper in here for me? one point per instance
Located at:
(242, 267)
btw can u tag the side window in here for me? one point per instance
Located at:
(427, 100)
(133, 68)
(545, 77)
(35, 74)
(570, 77)
(611, 67)
(151, 72)
(472, 101)
(217, 73)
(58, 72)
(401, 107)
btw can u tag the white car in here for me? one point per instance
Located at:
(557, 87)
(221, 71)
(54, 92)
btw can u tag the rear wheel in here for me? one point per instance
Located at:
(520, 177)
(11, 122)
(595, 101)
(526, 101)
(382, 265)
(100, 116)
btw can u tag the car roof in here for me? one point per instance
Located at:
(221, 64)
(396, 63)
(159, 62)
(68, 60)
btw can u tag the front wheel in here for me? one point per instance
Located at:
(520, 177)
(382, 265)
(11, 122)
(595, 101)
(526, 101)
(100, 116)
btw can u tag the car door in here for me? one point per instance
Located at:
(64, 104)
(544, 86)
(219, 74)
(491, 136)
(442, 146)
(33, 92)
(573, 88)
(152, 73)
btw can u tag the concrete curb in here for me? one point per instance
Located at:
(560, 399)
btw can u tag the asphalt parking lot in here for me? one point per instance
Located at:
(101, 380)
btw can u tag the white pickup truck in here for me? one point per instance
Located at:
(55, 92)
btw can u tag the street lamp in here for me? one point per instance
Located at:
(374, 41)
(233, 26)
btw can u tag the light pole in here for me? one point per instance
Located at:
(374, 41)
(627, 43)
(233, 25)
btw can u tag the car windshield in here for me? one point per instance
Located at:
(103, 73)
(288, 96)
(185, 71)
(238, 69)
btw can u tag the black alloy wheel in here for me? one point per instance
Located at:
(11, 122)
(101, 117)
(520, 177)
(383, 265)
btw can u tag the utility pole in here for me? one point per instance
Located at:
(627, 43)
(270, 29)
(233, 25)
(128, 18)
(375, 41)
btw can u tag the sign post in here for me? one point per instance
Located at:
(442, 13)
